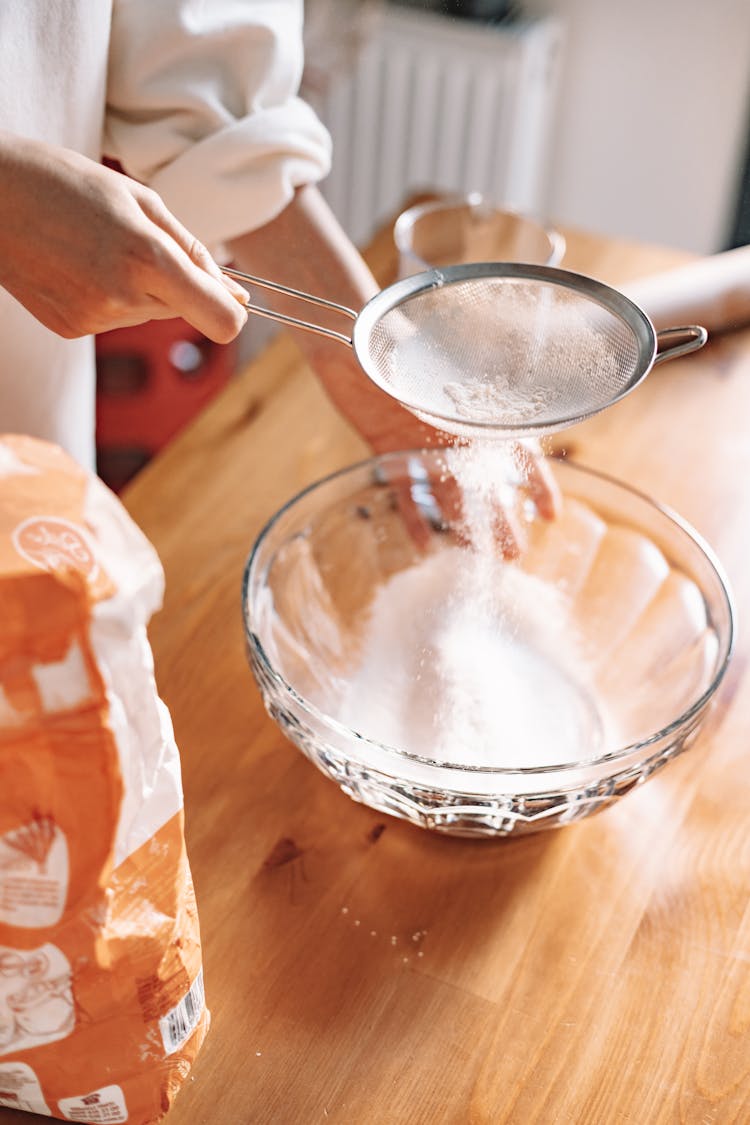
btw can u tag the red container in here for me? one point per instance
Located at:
(151, 381)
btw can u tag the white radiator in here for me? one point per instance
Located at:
(442, 104)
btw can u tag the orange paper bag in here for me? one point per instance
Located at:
(101, 988)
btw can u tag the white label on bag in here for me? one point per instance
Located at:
(33, 874)
(179, 1024)
(55, 544)
(36, 998)
(20, 1089)
(106, 1105)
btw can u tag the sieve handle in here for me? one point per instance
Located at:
(671, 342)
(283, 318)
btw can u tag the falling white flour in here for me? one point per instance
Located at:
(466, 658)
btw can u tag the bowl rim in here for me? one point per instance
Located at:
(483, 206)
(396, 754)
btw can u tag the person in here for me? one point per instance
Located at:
(198, 103)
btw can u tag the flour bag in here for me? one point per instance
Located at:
(101, 988)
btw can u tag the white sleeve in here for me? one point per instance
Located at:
(201, 105)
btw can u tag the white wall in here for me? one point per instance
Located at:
(653, 117)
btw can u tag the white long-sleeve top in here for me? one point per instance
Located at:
(196, 98)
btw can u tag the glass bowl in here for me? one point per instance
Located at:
(455, 229)
(599, 647)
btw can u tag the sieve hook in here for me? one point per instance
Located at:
(671, 342)
(283, 318)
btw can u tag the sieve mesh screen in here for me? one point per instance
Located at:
(512, 353)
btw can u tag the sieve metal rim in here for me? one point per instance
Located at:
(653, 347)
(615, 302)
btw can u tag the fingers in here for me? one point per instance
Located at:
(190, 282)
(509, 533)
(199, 299)
(419, 528)
(542, 485)
(480, 511)
(505, 529)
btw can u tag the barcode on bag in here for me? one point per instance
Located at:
(179, 1024)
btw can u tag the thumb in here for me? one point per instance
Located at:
(188, 280)
(155, 209)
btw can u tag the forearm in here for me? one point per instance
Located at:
(305, 247)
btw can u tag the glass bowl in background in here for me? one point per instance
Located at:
(635, 594)
(459, 229)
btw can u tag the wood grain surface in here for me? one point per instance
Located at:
(363, 971)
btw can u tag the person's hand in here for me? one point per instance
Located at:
(86, 249)
(489, 507)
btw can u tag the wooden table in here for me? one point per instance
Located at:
(363, 971)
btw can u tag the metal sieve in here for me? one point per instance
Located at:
(498, 349)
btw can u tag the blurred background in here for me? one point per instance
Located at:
(625, 119)
(631, 120)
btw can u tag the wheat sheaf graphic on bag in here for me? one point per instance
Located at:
(102, 1007)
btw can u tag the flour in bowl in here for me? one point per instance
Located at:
(465, 658)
